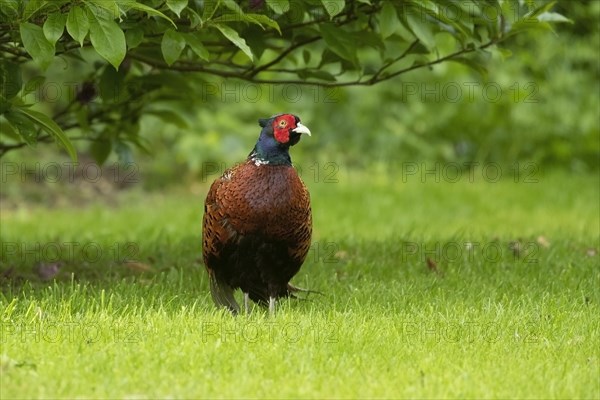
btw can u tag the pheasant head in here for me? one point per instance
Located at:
(277, 135)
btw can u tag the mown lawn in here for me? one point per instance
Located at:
(430, 290)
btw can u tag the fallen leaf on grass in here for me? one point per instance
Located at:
(7, 273)
(47, 271)
(433, 267)
(26, 364)
(542, 241)
(137, 266)
(10, 276)
(516, 246)
(6, 363)
(340, 275)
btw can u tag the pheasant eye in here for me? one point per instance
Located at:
(282, 123)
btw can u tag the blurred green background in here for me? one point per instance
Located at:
(538, 106)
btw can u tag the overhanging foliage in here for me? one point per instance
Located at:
(139, 54)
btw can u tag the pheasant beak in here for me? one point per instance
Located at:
(301, 129)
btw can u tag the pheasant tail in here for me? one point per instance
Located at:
(222, 294)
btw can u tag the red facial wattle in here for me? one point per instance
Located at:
(282, 135)
(281, 130)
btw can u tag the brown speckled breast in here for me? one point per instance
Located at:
(257, 227)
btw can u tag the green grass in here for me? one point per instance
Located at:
(506, 307)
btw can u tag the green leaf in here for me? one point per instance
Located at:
(107, 38)
(134, 137)
(234, 38)
(366, 39)
(437, 18)
(52, 128)
(111, 85)
(172, 45)
(474, 65)
(194, 18)
(256, 19)
(388, 20)
(134, 37)
(418, 49)
(10, 79)
(279, 6)
(233, 6)
(255, 39)
(540, 10)
(306, 56)
(209, 8)
(196, 45)
(10, 8)
(104, 9)
(333, 7)
(339, 42)
(78, 24)
(171, 117)
(54, 27)
(231, 17)
(506, 53)
(33, 84)
(263, 19)
(124, 152)
(36, 44)
(82, 116)
(553, 17)
(23, 125)
(5, 105)
(177, 6)
(31, 8)
(100, 150)
(329, 57)
(132, 4)
(421, 30)
(8, 130)
(527, 25)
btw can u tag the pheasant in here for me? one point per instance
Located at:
(257, 222)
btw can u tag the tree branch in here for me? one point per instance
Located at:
(182, 67)
(5, 148)
(254, 71)
(395, 60)
(358, 82)
(15, 52)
